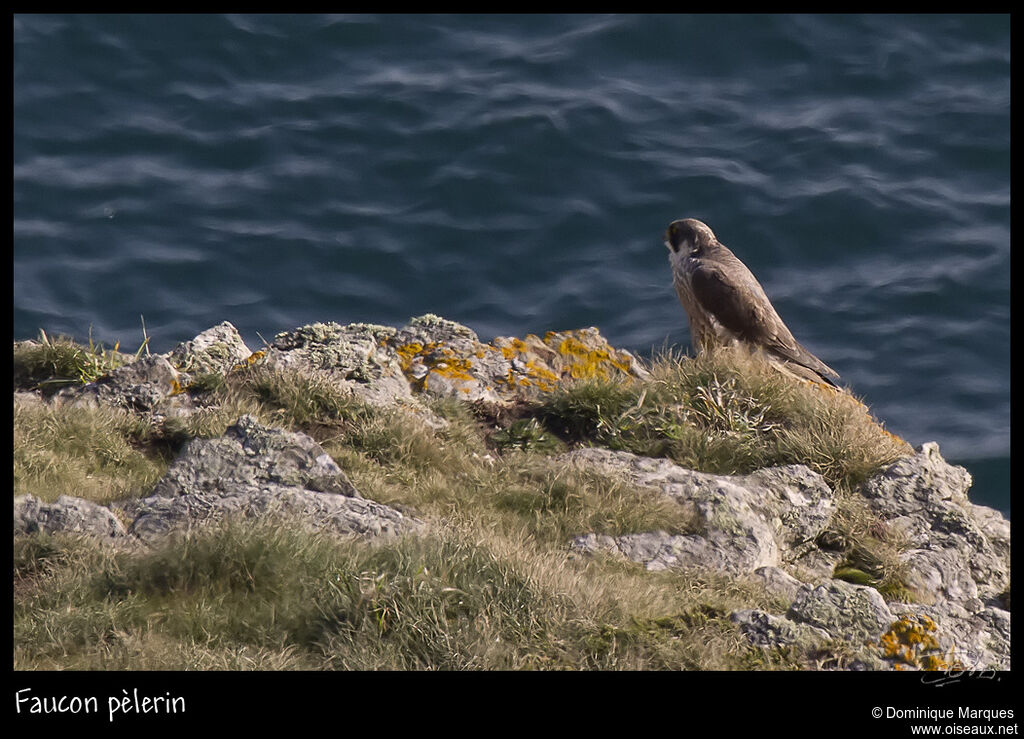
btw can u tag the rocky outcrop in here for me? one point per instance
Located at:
(157, 383)
(439, 358)
(768, 527)
(250, 455)
(67, 515)
(764, 526)
(356, 358)
(958, 559)
(430, 357)
(742, 523)
(216, 350)
(257, 471)
(252, 471)
(959, 551)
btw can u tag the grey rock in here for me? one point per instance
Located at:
(431, 329)
(658, 550)
(778, 582)
(798, 502)
(156, 517)
(958, 560)
(744, 521)
(821, 618)
(921, 479)
(250, 454)
(977, 640)
(141, 386)
(437, 358)
(446, 359)
(769, 631)
(215, 350)
(765, 525)
(257, 471)
(66, 515)
(959, 552)
(443, 359)
(854, 613)
(156, 383)
(358, 358)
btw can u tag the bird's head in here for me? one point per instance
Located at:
(688, 236)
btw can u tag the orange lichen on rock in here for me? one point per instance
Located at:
(584, 360)
(408, 352)
(434, 358)
(250, 360)
(911, 644)
(514, 348)
(445, 358)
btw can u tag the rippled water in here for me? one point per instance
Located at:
(516, 174)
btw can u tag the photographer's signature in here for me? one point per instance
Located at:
(955, 675)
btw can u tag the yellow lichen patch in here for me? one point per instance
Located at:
(437, 359)
(249, 361)
(910, 642)
(585, 363)
(542, 377)
(408, 352)
(514, 348)
(176, 388)
(450, 366)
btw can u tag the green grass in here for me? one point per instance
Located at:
(491, 587)
(724, 412)
(83, 452)
(261, 596)
(49, 364)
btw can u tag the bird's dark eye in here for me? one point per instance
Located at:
(673, 237)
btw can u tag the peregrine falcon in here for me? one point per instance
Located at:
(727, 305)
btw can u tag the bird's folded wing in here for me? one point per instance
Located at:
(733, 296)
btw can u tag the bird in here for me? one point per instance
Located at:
(726, 305)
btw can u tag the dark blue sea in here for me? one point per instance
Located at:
(516, 173)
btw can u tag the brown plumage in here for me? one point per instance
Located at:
(726, 304)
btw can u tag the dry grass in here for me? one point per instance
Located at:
(82, 452)
(491, 587)
(727, 412)
(267, 597)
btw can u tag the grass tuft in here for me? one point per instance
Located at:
(726, 412)
(50, 364)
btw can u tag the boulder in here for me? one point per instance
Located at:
(958, 551)
(66, 515)
(256, 471)
(764, 526)
(958, 556)
(744, 522)
(356, 358)
(854, 613)
(445, 359)
(249, 455)
(769, 631)
(155, 383)
(216, 350)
